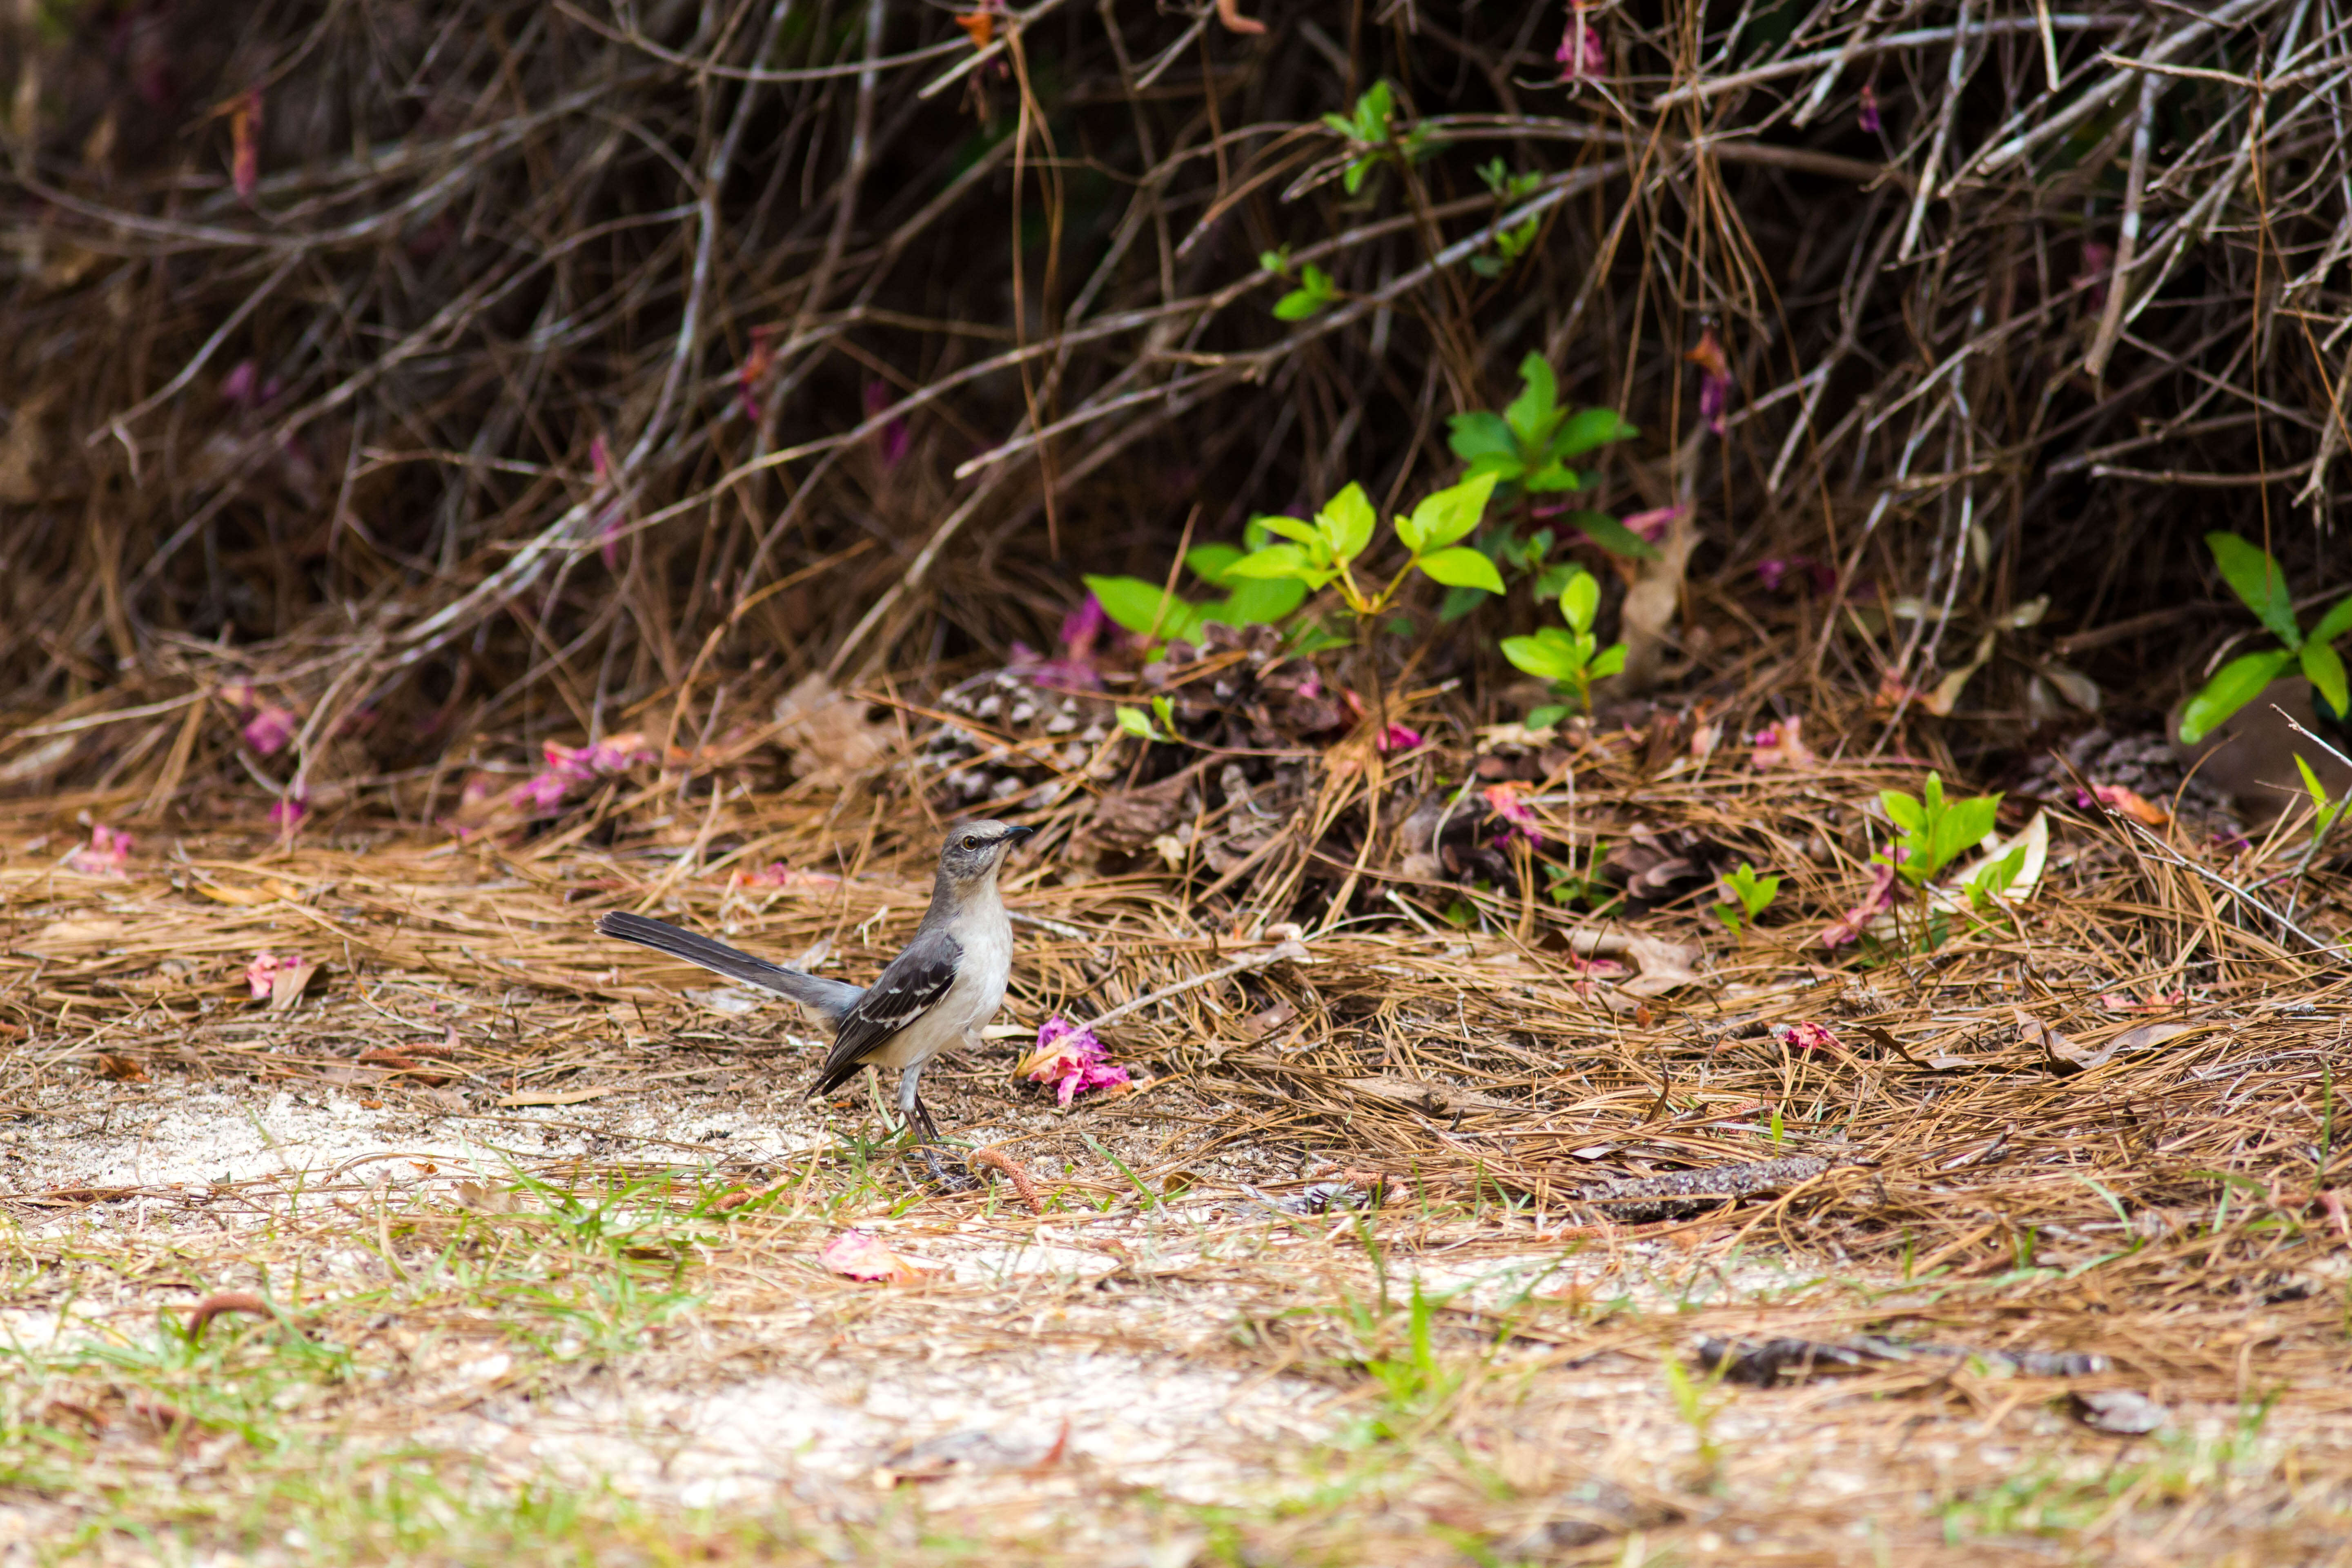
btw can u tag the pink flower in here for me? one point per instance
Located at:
(262, 973)
(1884, 894)
(1399, 738)
(1782, 745)
(892, 440)
(1506, 800)
(1870, 120)
(1580, 53)
(1652, 525)
(1069, 1058)
(269, 729)
(1077, 668)
(1806, 1037)
(108, 853)
(241, 387)
(287, 812)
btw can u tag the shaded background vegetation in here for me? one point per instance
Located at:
(473, 374)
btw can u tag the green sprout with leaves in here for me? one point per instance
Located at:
(1327, 552)
(1371, 130)
(2259, 581)
(1531, 443)
(1753, 894)
(1315, 294)
(1512, 242)
(1934, 831)
(1570, 658)
(1149, 610)
(1141, 725)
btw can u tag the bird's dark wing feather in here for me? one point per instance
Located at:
(912, 985)
(829, 999)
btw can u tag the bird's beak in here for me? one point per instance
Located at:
(1015, 834)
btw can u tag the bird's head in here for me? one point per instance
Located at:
(975, 848)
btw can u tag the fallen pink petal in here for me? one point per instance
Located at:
(856, 1255)
(270, 730)
(1507, 802)
(1652, 525)
(1070, 1059)
(1806, 1036)
(1869, 115)
(1400, 737)
(287, 812)
(261, 975)
(1581, 53)
(108, 853)
(1884, 895)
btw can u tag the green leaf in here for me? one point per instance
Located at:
(1346, 522)
(2323, 668)
(2234, 686)
(1263, 601)
(2257, 579)
(1352, 182)
(1535, 413)
(1274, 561)
(1447, 515)
(1613, 535)
(1544, 718)
(2311, 786)
(1137, 722)
(1551, 579)
(1962, 826)
(1579, 600)
(1299, 304)
(1209, 561)
(1550, 654)
(1289, 528)
(1145, 608)
(1342, 124)
(1904, 810)
(2335, 623)
(1481, 433)
(1458, 602)
(1462, 568)
(1550, 478)
(1591, 428)
(1608, 661)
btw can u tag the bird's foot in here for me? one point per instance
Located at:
(955, 1178)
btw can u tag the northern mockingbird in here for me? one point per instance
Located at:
(944, 987)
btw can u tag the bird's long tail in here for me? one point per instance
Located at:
(828, 999)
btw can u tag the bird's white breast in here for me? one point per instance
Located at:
(981, 969)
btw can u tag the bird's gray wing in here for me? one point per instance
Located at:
(915, 983)
(829, 999)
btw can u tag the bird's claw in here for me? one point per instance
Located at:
(953, 1179)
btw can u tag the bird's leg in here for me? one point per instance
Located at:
(919, 1118)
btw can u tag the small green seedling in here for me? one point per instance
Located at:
(2261, 583)
(1325, 552)
(1935, 832)
(1160, 724)
(1370, 130)
(1512, 242)
(1530, 445)
(1753, 894)
(1150, 611)
(2324, 814)
(1569, 657)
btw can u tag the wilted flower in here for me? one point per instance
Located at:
(1580, 53)
(1781, 745)
(1870, 120)
(1715, 379)
(1506, 802)
(1806, 1036)
(108, 853)
(1780, 573)
(1069, 1058)
(1399, 738)
(270, 730)
(1885, 893)
(756, 366)
(244, 153)
(893, 439)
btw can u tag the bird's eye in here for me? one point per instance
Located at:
(972, 840)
